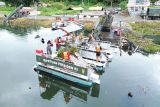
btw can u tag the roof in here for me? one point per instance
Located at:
(2, 3)
(72, 27)
(137, 3)
(95, 8)
(77, 8)
(49, 34)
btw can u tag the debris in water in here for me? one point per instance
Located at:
(42, 40)
(37, 36)
(29, 87)
(130, 94)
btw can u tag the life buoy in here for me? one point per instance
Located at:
(39, 51)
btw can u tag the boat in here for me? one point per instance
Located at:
(50, 86)
(90, 57)
(89, 54)
(75, 69)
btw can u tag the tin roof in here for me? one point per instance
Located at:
(2, 3)
(49, 34)
(95, 8)
(72, 27)
(77, 8)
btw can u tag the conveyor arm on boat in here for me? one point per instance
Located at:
(12, 13)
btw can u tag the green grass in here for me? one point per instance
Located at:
(152, 48)
(60, 8)
(6, 9)
(151, 31)
(53, 11)
(147, 28)
(154, 6)
(57, 8)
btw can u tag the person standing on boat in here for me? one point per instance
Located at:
(80, 36)
(98, 52)
(57, 43)
(91, 39)
(49, 50)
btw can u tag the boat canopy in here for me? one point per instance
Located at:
(53, 34)
(72, 28)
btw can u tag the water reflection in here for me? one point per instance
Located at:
(20, 31)
(50, 86)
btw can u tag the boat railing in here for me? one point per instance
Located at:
(53, 56)
(60, 63)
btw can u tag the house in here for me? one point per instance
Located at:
(2, 3)
(135, 7)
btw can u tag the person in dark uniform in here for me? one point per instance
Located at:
(98, 52)
(49, 50)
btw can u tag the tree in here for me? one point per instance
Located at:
(153, 1)
(18, 2)
(123, 5)
(109, 2)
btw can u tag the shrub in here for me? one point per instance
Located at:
(60, 51)
(58, 5)
(72, 3)
(88, 26)
(123, 5)
(72, 50)
(152, 48)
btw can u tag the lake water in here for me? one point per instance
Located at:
(22, 87)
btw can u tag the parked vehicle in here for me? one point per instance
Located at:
(151, 13)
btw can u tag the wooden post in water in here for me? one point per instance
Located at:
(120, 40)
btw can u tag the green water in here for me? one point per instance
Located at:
(22, 87)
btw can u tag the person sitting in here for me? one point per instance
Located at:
(73, 37)
(98, 52)
(84, 44)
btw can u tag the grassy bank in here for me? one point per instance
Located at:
(54, 11)
(146, 35)
(6, 9)
(25, 23)
(54, 8)
(147, 28)
(23, 26)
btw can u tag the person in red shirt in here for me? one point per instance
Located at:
(57, 43)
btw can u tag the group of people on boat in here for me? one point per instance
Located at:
(72, 38)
